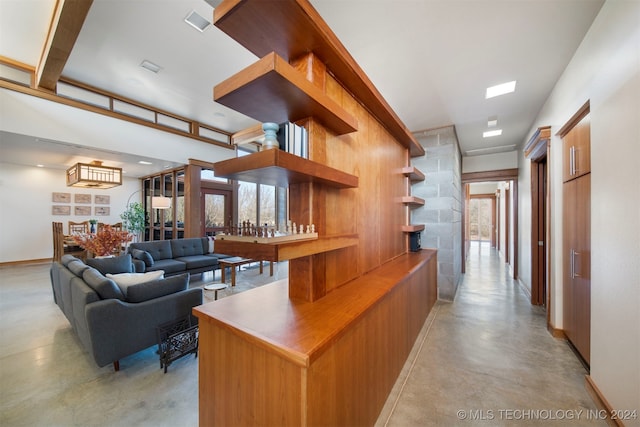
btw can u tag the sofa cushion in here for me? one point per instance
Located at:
(123, 280)
(142, 256)
(187, 247)
(157, 288)
(198, 261)
(168, 265)
(103, 286)
(66, 259)
(77, 267)
(113, 265)
(159, 249)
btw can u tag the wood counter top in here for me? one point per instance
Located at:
(300, 331)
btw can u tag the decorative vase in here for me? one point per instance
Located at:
(270, 139)
(92, 228)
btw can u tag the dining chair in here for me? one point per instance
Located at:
(78, 227)
(58, 241)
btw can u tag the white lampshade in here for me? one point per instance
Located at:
(160, 202)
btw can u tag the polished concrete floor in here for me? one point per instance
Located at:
(485, 359)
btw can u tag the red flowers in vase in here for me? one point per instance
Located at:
(104, 242)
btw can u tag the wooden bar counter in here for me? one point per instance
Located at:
(266, 359)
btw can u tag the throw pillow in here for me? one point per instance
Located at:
(128, 279)
(114, 265)
(157, 288)
(212, 242)
(142, 256)
(104, 287)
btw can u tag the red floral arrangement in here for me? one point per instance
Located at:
(104, 242)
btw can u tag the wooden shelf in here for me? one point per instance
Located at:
(413, 201)
(293, 29)
(271, 90)
(412, 228)
(279, 168)
(413, 173)
(285, 251)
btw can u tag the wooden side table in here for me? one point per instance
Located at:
(233, 262)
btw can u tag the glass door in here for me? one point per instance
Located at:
(216, 211)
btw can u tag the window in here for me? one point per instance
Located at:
(480, 219)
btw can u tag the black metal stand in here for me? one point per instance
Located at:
(176, 339)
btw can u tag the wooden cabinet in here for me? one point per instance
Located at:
(577, 151)
(576, 196)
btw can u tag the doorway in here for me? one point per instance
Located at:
(537, 150)
(482, 218)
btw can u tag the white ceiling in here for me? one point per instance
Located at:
(431, 59)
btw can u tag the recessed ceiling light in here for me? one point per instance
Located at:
(492, 122)
(197, 21)
(40, 166)
(490, 133)
(148, 65)
(501, 89)
(143, 162)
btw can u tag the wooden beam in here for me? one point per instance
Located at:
(66, 24)
(494, 175)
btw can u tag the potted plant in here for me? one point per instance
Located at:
(105, 242)
(133, 219)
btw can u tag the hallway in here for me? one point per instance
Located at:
(487, 359)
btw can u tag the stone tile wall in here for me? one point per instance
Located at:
(442, 211)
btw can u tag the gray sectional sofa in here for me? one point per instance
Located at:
(112, 317)
(176, 256)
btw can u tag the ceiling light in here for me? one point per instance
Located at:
(500, 89)
(490, 133)
(496, 148)
(492, 122)
(93, 175)
(197, 21)
(144, 162)
(148, 65)
(40, 166)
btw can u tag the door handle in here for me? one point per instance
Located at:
(571, 263)
(574, 264)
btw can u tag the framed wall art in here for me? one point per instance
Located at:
(60, 210)
(82, 210)
(82, 198)
(101, 199)
(61, 197)
(102, 211)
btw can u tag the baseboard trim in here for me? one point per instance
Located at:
(26, 261)
(556, 333)
(524, 288)
(601, 402)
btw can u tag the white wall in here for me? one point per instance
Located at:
(605, 70)
(490, 162)
(26, 209)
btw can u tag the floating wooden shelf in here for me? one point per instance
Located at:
(271, 90)
(279, 168)
(413, 173)
(288, 250)
(413, 201)
(412, 228)
(293, 29)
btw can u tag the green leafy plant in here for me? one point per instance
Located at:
(133, 219)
